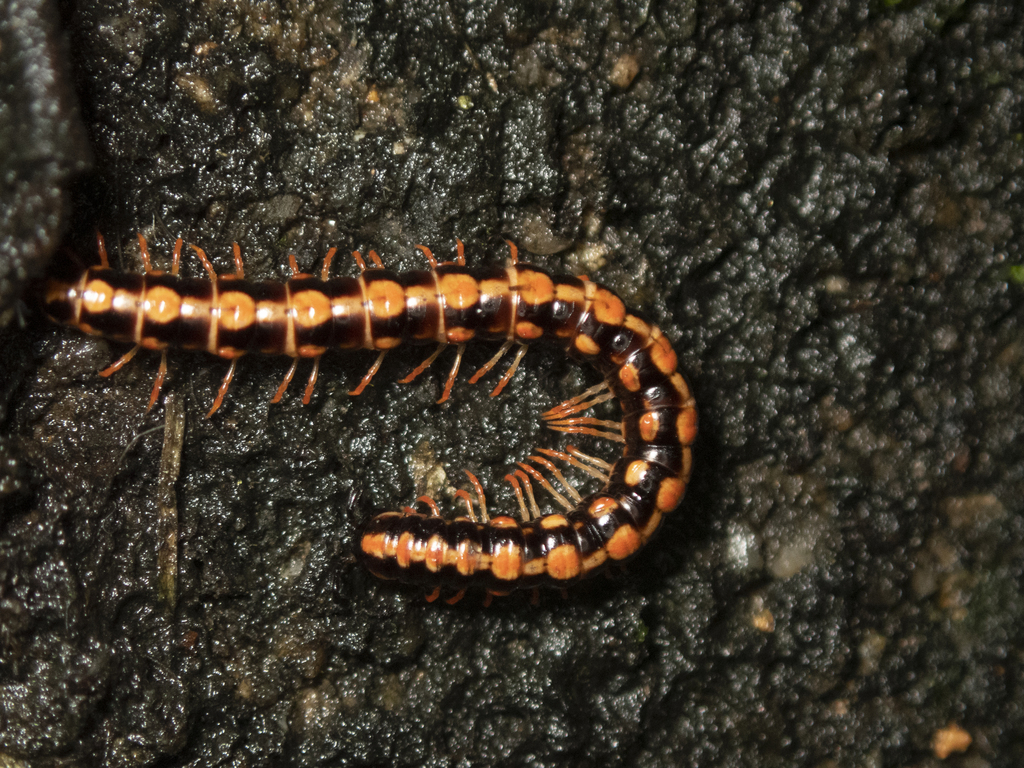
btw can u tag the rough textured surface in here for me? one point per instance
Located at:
(820, 205)
(42, 143)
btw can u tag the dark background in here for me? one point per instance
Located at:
(820, 204)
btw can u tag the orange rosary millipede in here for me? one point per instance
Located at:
(517, 304)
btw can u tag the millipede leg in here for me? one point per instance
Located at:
(590, 470)
(491, 363)
(225, 382)
(479, 490)
(433, 594)
(564, 502)
(158, 382)
(205, 262)
(576, 404)
(147, 266)
(488, 599)
(590, 426)
(176, 258)
(101, 247)
(435, 511)
(143, 249)
(464, 495)
(327, 263)
(287, 380)
(369, 374)
(523, 514)
(312, 381)
(534, 509)
(451, 376)
(456, 597)
(424, 365)
(561, 418)
(429, 255)
(550, 467)
(120, 362)
(510, 372)
(239, 269)
(599, 463)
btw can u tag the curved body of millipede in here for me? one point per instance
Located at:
(449, 303)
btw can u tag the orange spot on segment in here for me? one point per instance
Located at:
(649, 424)
(310, 308)
(637, 326)
(686, 425)
(97, 296)
(507, 561)
(608, 308)
(623, 543)
(662, 354)
(434, 557)
(373, 545)
(570, 293)
(669, 494)
(161, 304)
(238, 310)
(525, 330)
(636, 471)
(467, 557)
(586, 345)
(386, 299)
(229, 353)
(535, 287)
(551, 522)
(459, 335)
(630, 377)
(406, 542)
(602, 506)
(386, 342)
(418, 550)
(459, 291)
(564, 562)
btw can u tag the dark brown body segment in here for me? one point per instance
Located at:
(304, 316)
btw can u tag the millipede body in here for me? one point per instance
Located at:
(517, 304)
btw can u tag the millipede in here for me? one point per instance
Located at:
(447, 304)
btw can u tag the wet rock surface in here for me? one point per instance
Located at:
(819, 206)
